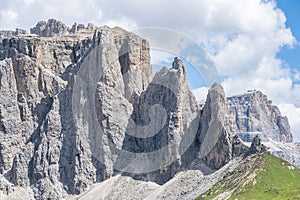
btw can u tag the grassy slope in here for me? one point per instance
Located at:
(261, 176)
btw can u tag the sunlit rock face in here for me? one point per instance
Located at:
(252, 113)
(43, 145)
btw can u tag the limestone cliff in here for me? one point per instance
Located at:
(252, 113)
(218, 144)
(42, 144)
(166, 118)
(12, 33)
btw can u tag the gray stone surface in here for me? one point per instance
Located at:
(257, 146)
(50, 28)
(53, 28)
(218, 144)
(252, 113)
(10, 121)
(167, 99)
(41, 145)
(4, 34)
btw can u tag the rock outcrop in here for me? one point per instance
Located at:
(80, 105)
(252, 113)
(54, 27)
(10, 119)
(166, 119)
(218, 145)
(12, 33)
(257, 146)
(41, 144)
(215, 139)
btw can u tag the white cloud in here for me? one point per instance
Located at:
(159, 56)
(8, 19)
(123, 22)
(296, 75)
(293, 114)
(201, 94)
(28, 2)
(29, 12)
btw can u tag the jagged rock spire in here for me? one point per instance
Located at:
(177, 63)
(257, 146)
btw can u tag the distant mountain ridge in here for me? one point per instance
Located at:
(252, 113)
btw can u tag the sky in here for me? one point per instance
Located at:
(254, 44)
(291, 10)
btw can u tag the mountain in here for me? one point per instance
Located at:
(261, 176)
(82, 114)
(251, 114)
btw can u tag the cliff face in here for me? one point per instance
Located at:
(79, 108)
(166, 118)
(215, 137)
(218, 143)
(35, 124)
(12, 33)
(80, 105)
(252, 113)
(44, 143)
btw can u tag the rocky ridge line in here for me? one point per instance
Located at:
(54, 27)
(252, 113)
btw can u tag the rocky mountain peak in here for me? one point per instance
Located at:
(214, 136)
(50, 28)
(216, 90)
(253, 113)
(55, 27)
(177, 63)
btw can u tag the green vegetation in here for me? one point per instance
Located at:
(261, 176)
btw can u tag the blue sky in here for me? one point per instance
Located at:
(291, 8)
(288, 54)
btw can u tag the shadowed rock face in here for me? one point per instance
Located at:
(42, 144)
(256, 146)
(80, 105)
(60, 90)
(218, 144)
(167, 110)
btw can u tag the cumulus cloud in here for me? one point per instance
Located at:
(8, 19)
(201, 94)
(241, 37)
(293, 114)
(29, 12)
